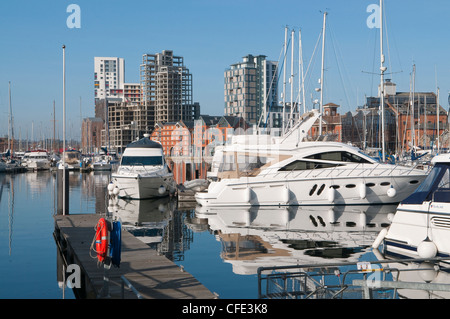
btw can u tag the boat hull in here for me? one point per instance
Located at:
(144, 187)
(326, 191)
(412, 224)
(101, 167)
(38, 165)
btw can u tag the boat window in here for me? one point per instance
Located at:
(339, 156)
(245, 162)
(435, 186)
(303, 165)
(142, 160)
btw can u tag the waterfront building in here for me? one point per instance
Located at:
(109, 77)
(91, 129)
(251, 88)
(175, 137)
(404, 126)
(166, 84)
(132, 93)
(331, 124)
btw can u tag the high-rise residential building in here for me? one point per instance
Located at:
(109, 77)
(251, 88)
(166, 86)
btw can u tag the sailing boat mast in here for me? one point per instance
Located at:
(291, 80)
(284, 80)
(322, 71)
(382, 69)
(11, 125)
(302, 81)
(413, 129)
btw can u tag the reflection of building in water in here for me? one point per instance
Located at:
(94, 186)
(268, 237)
(157, 223)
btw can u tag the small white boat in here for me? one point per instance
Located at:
(143, 172)
(36, 160)
(421, 225)
(101, 162)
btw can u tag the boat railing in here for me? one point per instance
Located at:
(125, 282)
(359, 170)
(345, 280)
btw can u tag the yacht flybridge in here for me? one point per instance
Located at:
(288, 171)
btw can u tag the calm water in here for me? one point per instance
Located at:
(221, 248)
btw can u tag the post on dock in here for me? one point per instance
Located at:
(60, 185)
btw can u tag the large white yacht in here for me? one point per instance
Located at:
(36, 160)
(421, 225)
(256, 171)
(143, 172)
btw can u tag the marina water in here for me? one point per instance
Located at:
(221, 248)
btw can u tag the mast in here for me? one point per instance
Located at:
(437, 120)
(284, 80)
(302, 82)
(322, 71)
(53, 146)
(413, 129)
(382, 69)
(292, 79)
(64, 130)
(11, 124)
(425, 124)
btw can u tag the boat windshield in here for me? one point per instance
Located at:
(436, 187)
(142, 160)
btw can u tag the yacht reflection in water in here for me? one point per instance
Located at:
(268, 237)
(155, 222)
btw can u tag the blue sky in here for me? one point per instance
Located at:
(210, 35)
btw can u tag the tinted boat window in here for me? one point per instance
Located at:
(339, 157)
(303, 165)
(142, 160)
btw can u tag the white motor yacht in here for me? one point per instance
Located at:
(421, 225)
(262, 170)
(143, 172)
(36, 160)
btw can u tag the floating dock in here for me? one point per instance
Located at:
(150, 275)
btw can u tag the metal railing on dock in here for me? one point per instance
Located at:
(347, 280)
(130, 286)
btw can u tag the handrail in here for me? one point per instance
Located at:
(131, 287)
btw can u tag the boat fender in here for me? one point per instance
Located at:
(331, 194)
(161, 190)
(362, 191)
(116, 243)
(101, 239)
(286, 195)
(247, 196)
(429, 271)
(427, 249)
(116, 191)
(391, 192)
(110, 188)
(379, 238)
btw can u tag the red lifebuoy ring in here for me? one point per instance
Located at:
(101, 239)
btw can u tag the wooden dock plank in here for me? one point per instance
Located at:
(153, 275)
